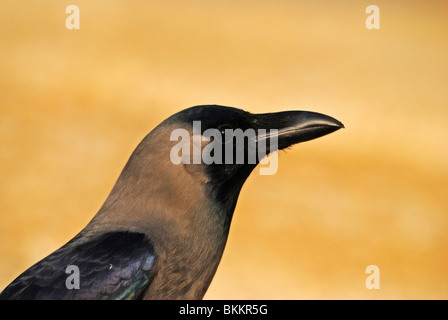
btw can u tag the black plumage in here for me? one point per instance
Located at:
(113, 265)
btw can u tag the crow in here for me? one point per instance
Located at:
(162, 230)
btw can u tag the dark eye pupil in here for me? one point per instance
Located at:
(223, 128)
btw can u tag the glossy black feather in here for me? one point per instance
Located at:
(114, 265)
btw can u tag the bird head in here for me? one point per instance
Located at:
(226, 143)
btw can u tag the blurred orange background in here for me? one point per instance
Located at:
(75, 103)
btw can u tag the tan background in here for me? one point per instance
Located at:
(75, 103)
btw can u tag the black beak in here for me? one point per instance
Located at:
(295, 126)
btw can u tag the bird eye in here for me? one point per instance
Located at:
(222, 129)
